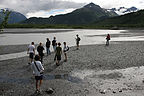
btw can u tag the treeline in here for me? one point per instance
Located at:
(65, 26)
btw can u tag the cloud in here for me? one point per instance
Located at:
(32, 6)
(44, 7)
(49, 13)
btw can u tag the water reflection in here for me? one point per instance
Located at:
(46, 77)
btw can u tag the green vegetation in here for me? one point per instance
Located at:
(4, 19)
(135, 19)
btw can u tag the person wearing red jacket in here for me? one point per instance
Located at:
(107, 39)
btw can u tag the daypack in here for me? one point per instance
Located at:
(79, 39)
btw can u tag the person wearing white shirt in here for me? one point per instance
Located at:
(37, 71)
(31, 52)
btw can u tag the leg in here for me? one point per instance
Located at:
(41, 59)
(37, 86)
(40, 83)
(65, 56)
(47, 49)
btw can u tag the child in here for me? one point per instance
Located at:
(65, 49)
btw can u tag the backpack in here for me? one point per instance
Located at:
(67, 48)
(79, 39)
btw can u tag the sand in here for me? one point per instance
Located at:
(94, 70)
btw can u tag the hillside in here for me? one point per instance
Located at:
(15, 17)
(84, 15)
(135, 18)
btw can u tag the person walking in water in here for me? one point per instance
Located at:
(54, 44)
(107, 39)
(48, 43)
(40, 49)
(31, 52)
(65, 49)
(58, 53)
(77, 41)
(38, 72)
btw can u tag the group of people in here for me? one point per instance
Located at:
(37, 63)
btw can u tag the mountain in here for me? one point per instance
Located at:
(123, 10)
(15, 17)
(85, 15)
(134, 18)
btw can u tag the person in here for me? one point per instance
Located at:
(77, 41)
(65, 49)
(55, 52)
(38, 70)
(58, 54)
(54, 44)
(31, 52)
(107, 39)
(48, 43)
(40, 49)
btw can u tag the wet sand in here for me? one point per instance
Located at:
(94, 70)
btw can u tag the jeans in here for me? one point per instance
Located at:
(107, 43)
(54, 47)
(48, 51)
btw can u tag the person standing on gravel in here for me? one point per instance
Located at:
(31, 52)
(65, 49)
(40, 49)
(38, 70)
(77, 41)
(54, 44)
(58, 54)
(107, 39)
(48, 43)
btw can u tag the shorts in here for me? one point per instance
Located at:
(31, 55)
(58, 57)
(39, 77)
(77, 43)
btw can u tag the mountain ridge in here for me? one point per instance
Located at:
(85, 15)
(14, 17)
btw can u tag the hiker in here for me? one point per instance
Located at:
(54, 44)
(65, 49)
(38, 72)
(31, 52)
(48, 46)
(77, 41)
(58, 54)
(107, 40)
(40, 49)
(55, 52)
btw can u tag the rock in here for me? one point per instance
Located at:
(102, 91)
(49, 91)
(114, 91)
(120, 90)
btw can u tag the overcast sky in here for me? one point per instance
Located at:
(46, 8)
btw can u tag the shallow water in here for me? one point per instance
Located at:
(88, 36)
(46, 77)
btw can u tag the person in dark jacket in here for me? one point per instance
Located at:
(40, 49)
(48, 43)
(54, 44)
(107, 39)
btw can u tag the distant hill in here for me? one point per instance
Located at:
(15, 17)
(123, 10)
(84, 15)
(135, 18)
